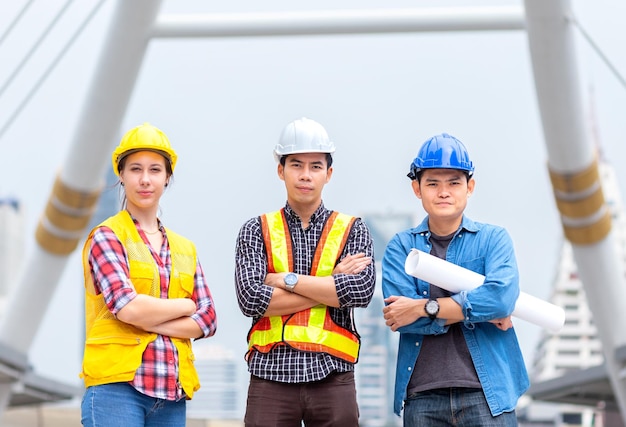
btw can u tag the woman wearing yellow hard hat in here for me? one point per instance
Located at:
(146, 297)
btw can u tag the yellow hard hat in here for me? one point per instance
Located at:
(144, 137)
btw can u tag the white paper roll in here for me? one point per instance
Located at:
(455, 279)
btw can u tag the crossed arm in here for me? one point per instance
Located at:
(311, 290)
(170, 317)
(401, 311)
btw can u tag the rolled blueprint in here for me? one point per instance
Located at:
(455, 279)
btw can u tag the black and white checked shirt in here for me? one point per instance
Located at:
(283, 363)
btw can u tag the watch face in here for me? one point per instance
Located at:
(291, 279)
(432, 307)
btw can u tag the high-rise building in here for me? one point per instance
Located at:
(220, 394)
(375, 371)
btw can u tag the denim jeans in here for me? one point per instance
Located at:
(458, 407)
(119, 404)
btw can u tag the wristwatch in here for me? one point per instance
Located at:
(291, 280)
(432, 308)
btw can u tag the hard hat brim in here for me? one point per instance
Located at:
(127, 153)
(278, 155)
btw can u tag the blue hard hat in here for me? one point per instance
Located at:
(441, 152)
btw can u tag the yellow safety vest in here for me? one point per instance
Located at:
(114, 349)
(312, 329)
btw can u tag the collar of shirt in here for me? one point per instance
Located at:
(293, 217)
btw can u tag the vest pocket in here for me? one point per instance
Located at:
(144, 277)
(184, 286)
(188, 374)
(111, 351)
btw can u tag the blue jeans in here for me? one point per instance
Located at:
(119, 404)
(458, 407)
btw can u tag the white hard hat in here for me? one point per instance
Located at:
(303, 136)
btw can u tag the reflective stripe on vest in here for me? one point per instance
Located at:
(311, 329)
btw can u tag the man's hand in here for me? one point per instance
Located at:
(402, 311)
(275, 280)
(503, 323)
(352, 264)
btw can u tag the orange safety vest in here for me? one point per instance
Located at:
(312, 329)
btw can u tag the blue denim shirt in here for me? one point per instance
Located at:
(485, 249)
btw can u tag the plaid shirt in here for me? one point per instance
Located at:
(283, 363)
(158, 374)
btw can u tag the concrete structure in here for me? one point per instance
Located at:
(11, 243)
(569, 366)
(26, 388)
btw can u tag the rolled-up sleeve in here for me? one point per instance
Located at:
(357, 290)
(253, 295)
(496, 297)
(109, 268)
(396, 282)
(205, 315)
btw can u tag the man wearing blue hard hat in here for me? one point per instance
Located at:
(459, 361)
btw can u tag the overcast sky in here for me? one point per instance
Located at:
(224, 102)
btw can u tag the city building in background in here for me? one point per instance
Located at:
(220, 396)
(375, 371)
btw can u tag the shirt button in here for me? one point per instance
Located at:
(424, 292)
(417, 344)
(409, 368)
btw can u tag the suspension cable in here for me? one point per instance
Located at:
(34, 48)
(15, 21)
(598, 51)
(50, 68)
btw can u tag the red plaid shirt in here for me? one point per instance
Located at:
(158, 374)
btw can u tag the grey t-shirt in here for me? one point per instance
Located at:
(444, 360)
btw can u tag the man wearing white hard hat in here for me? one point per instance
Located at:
(300, 271)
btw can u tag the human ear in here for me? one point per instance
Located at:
(471, 184)
(416, 188)
(281, 172)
